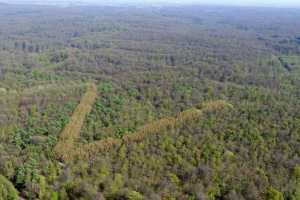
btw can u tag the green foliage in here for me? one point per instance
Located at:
(174, 179)
(296, 173)
(27, 173)
(117, 183)
(54, 196)
(148, 65)
(296, 194)
(22, 138)
(296, 176)
(7, 190)
(105, 87)
(273, 194)
(42, 187)
(133, 195)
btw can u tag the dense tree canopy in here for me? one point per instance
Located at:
(195, 103)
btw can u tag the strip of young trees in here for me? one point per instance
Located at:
(90, 151)
(71, 132)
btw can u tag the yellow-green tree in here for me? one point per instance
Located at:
(7, 190)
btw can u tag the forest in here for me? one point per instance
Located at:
(149, 103)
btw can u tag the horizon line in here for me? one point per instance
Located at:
(68, 3)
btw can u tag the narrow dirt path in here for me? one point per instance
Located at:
(71, 133)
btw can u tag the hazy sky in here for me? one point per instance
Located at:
(253, 2)
(240, 2)
(289, 3)
(229, 2)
